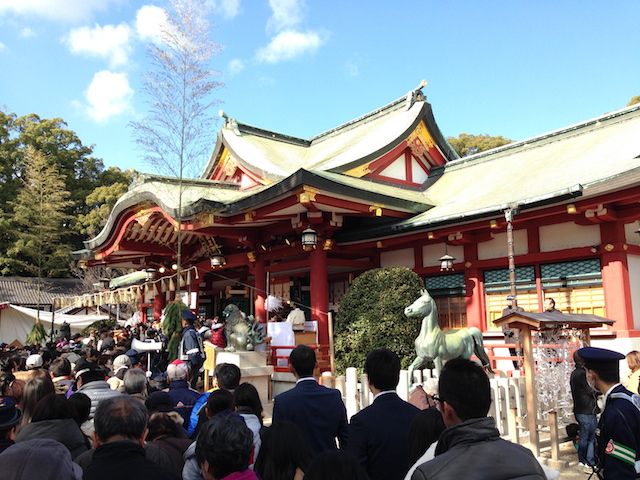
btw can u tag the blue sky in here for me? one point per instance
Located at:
(511, 68)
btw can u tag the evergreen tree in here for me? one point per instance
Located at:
(466, 144)
(39, 221)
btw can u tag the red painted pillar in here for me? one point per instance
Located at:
(615, 276)
(159, 302)
(475, 299)
(260, 289)
(474, 288)
(319, 293)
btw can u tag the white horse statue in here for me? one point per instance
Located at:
(434, 344)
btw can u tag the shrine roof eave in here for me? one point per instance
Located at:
(412, 225)
(393, 197)
(226, 199)
(552, 320)
(163, 191)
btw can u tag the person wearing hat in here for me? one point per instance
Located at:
(585, 410)
(191, 351)
(34, 362)
(120, 365)
(10, 416)
(90, 381)
(511, 335)
(618, 432)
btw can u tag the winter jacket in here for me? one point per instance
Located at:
(96, 391)
(65, 431)
(124, 459)
(473, 450)
(253, 422)
(183, 398)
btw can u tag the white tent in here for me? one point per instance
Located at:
(16, 322)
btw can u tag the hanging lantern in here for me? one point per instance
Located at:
(309, 239)
(218, 260)
(446, 262)
(150, 274)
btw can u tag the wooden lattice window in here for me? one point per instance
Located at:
(452, 312)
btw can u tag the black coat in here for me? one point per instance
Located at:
(584, 397)
(379, 437)
(124, 459)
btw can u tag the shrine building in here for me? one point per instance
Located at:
(386, 189)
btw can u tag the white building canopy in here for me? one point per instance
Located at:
(16, 322)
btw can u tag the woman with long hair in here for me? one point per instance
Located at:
(38, 386)
(285, 453)
(633, 360)
(249, 407)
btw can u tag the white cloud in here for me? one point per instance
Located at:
(286, 14)
(149, 21)
(111, 43)
(227, 8)
(70, 11)
(108, 95)
(3, 47)
(352, 69)
(288, 45)
(27, 33)
(235, 66)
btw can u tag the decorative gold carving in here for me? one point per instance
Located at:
(359, 171)
(376, 209)
(143, 217)
(328, 244)
(625, 246)
(306, 194)
(251, 256)
(229, 166)
(468, 264)
(205, 219)
(248, 215)
(379, 244)
(608, 247)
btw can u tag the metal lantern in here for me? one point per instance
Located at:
(446, 262)
(218, 260)
(150, 274)
(309, 239)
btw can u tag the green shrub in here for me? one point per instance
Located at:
(371, 316)
(107, 324)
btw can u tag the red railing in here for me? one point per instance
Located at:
(280, 363)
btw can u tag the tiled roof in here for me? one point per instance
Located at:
(579, 157)
(275, 156)
(24, 290)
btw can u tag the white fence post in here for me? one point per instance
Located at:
(352, 392)
(403, 385)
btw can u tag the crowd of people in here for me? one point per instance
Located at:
(71, 411)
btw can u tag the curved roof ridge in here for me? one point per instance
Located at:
(549, 135)
(409, 99)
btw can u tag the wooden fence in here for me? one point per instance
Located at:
(508, 406)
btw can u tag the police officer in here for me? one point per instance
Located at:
(618, 432)
(191, 351)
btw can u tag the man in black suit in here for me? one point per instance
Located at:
(378, 435)
(318, 411)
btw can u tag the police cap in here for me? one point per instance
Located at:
(595, 358)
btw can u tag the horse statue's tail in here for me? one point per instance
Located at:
(478, 349)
